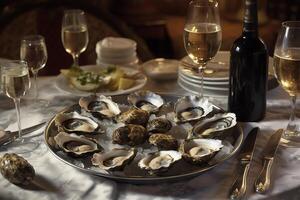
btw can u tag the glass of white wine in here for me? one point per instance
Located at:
(287, 72)
(202, 34)
(34, 52)
(15, 82)
(74, 33)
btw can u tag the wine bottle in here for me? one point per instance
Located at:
(248, 70)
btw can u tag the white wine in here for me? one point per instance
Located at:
(287, 70)
(34, 55)
(15, 82)
(202, 41)
(75, 39)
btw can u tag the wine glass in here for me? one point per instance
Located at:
(33, 50)
(202, 33)
(287, 72)
(74, 33)
(15, 82)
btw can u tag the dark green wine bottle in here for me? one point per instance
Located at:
(248, 70)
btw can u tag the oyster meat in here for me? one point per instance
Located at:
(159, 161)
(198, 151)
(134, 116)
(159, 125)
(146, 100)
(190, 108)
(76, 123)
(215, 126)
(102, 105)
(130, 134)
(75, 144)
(116, 159)
(16, 169)
(163, 141)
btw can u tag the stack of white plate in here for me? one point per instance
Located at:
(116, 51)
(216, 76)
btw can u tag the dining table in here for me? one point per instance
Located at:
(57, 180)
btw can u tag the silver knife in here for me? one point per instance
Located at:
(8, 136)
(240, 185)
(262, 182)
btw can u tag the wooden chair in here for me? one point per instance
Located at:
(19, 18)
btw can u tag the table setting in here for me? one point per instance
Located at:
(162, 129)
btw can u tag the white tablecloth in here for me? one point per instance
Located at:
(60, 181)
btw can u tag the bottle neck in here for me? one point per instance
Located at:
(250, 19)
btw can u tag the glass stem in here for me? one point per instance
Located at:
(35, 86)
(17, 105)
(292, 127)
(75, 60)
(201, 72)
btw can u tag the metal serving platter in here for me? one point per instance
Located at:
(132, 173)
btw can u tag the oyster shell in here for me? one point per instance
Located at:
(159, 125)
(146, 100)
(134, 116)
(102, 105)
(197, 151)
(163, 141)
(75, 144)
(159, 161)
(130, 134)
(116, 159)
(215, 126)
(76, 123)
(16, 169)
(190, 108)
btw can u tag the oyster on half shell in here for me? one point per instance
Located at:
(160, 161)
(116, 159)
(102, 105)
(215, 126)
(163, 141)
(190, 108)
(75, 144)
(159, 125)
(146, 100)
(76, 123)
(198, 151)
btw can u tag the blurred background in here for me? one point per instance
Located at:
(156, 25)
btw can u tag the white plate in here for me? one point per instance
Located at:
(194, 90)
(217, 89)
(63, 84)
(161, 69)
(209, 83)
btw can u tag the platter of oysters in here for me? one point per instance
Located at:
(143, 137)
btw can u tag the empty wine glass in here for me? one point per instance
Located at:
(33, 51)
(74, 33)
(15, 82)
(287, 72)
(202, 33)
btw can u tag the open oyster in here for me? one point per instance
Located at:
(76, 123)
(116, 159)
(164, 141)
(146, 100)
(102, 105)
(190, 108)
(130, 134)
(159, 125)
(159, 161)
(197, 151)
(76, 145)
(134, 116)
(215, 126)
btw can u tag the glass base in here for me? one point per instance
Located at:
(290, 139)
(21, 146)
